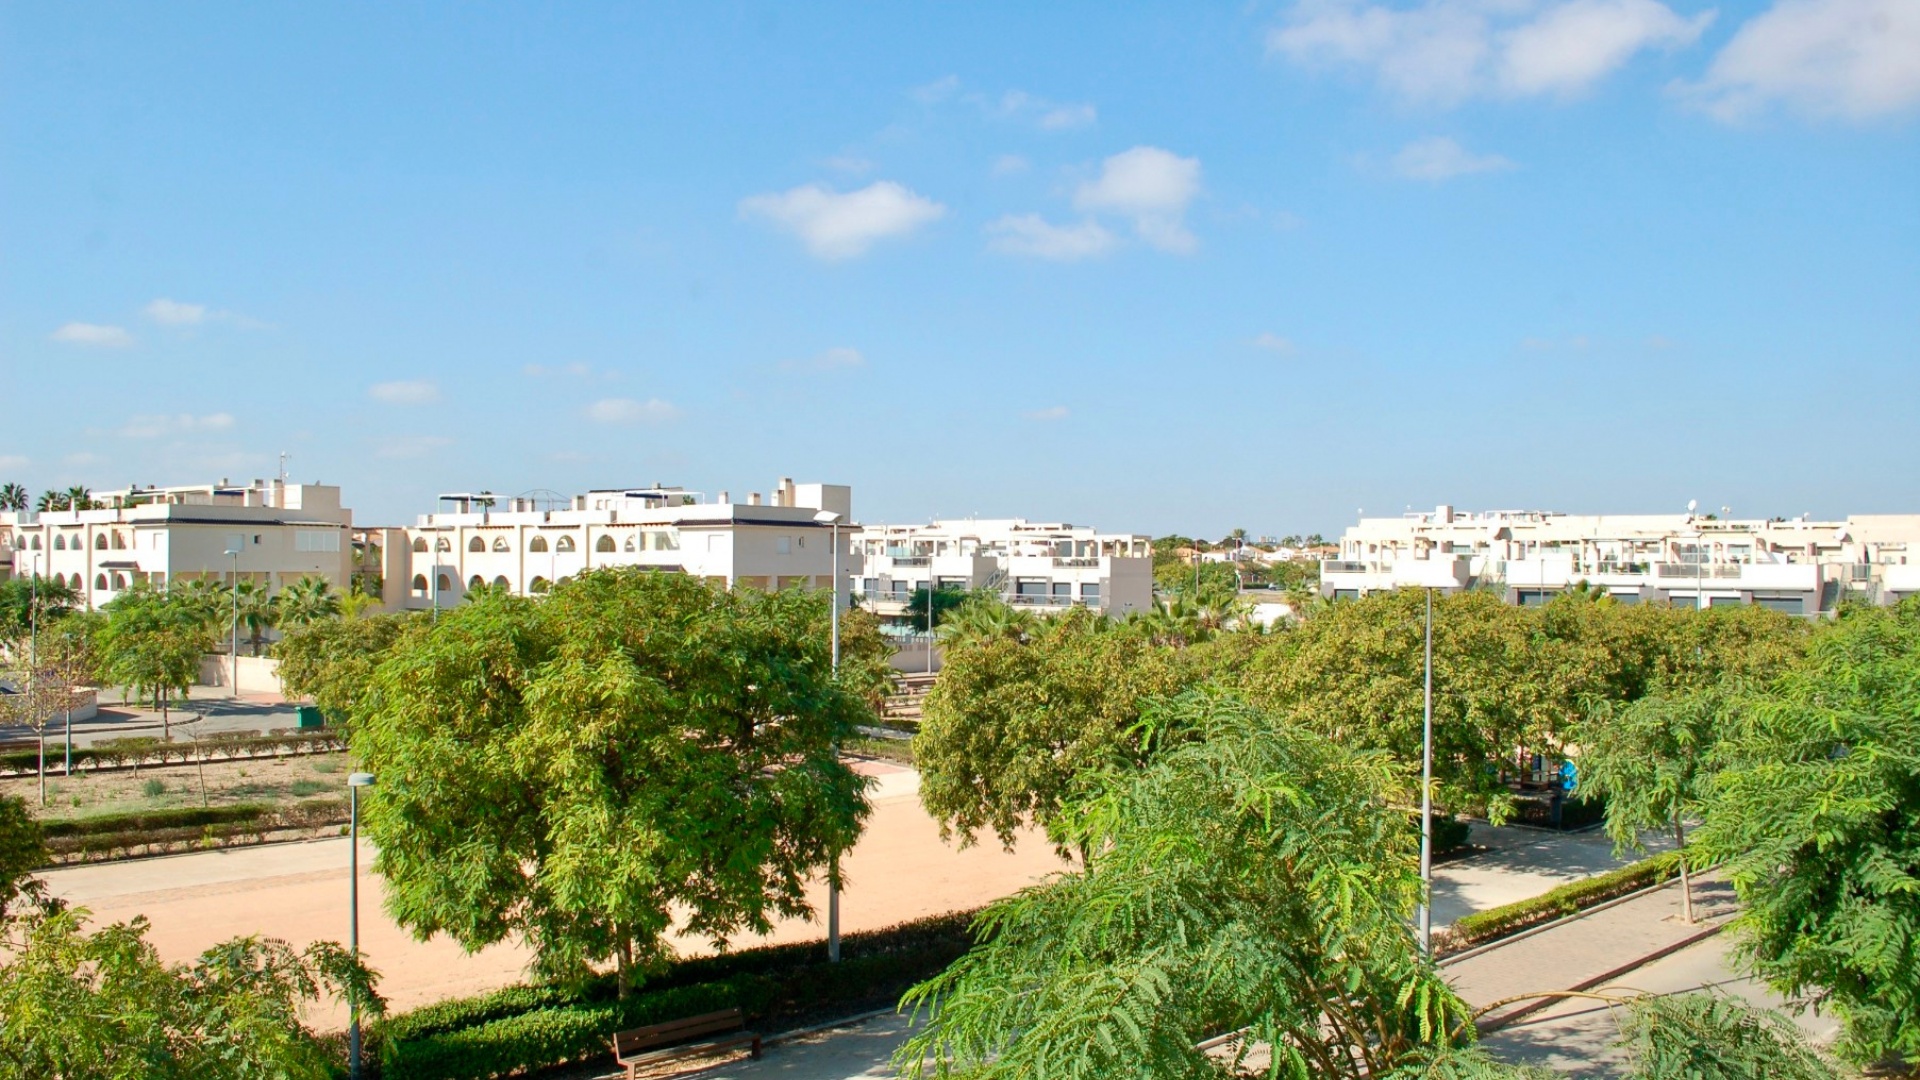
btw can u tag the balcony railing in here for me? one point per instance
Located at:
(1019, 600)
(1077, 563)
(1696, 570)
(913, 560)
(1342, 566)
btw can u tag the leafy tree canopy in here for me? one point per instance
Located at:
(636, 750)
(332, 661)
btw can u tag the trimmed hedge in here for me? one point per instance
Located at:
(523, 1028)
(150, 750)
(898, 751)
(1567, 899)
(159, 831)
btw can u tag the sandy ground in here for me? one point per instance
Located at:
(298, 892)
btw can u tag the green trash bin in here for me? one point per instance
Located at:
(310, 716)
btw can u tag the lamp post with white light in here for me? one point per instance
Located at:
(233, 636)
(355, 781)
(832, 520)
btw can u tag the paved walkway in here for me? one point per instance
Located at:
(1573, 953)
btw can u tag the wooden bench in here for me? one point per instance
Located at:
(675, 1039)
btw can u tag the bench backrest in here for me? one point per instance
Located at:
(674, 1031)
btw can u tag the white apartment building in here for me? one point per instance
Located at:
(1797, 565)
(1043, 567)
(526, 546)
(279, 532)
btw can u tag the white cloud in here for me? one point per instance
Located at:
(1442, 52)
(1440, 158)
(1273, 343)
(83, 459)
(12, 461)
(175, 313)
(1056, 412)
(405, 392)
(1061, 117)
(629, 411)
(1152, 187)
(839, 358)
(575, 370)
(1030, 234)
(155, 425)
(94, 335)
(1854, 59)
(410, 446)
(1009, 165)
(938, 90)
(837, 225)
(847, 163)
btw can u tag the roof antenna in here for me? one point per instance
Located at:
(283, 465)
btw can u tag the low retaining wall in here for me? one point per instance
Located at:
(257, 674)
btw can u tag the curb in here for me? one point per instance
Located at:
(1486, 946)
(1488, 1025)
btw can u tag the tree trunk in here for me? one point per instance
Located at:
(166, 719)
(42, 733)
(1686, 879)
(625, 981)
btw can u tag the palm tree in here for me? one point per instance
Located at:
(308, 601)
(51, 500)
(355, 603)
(13, 497)
(983, 618)
(257, 611)
(79, 498)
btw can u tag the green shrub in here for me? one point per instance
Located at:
(147, 820)
(153, 789)
(301, 789)
(1565, 900)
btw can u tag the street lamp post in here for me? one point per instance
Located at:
(233, 635)
(832, 520)
(355, 781)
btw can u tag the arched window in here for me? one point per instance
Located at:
(501, 583)
(538, 586)
(446, 583)
(476, 544)
(420, 583)
(605, 543)
(36, 542)
(73, 581)
(59, 541)
(476, 583)
(563, 544)
(630, 545)
(419, 543)
(500, 544)
(100, 582)
(119, 580)
(443, 544)
(119, 541)
(538, 543)
(100, 541)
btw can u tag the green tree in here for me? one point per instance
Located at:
(1817, 816)
(151, 645)
(1013, 731)
(945, 602)
(1251, 877)
(983, 617)
(102, 1006)
(332, 661)
(14, 497)
(1708, 1036)
(307, 600)
(24, 598)
(257, 610)
(23, 849)
(636, 750)
(1652, 761)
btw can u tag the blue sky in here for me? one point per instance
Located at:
(1150, 267)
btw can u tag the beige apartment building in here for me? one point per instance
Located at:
(1795, 565)
(268, 532)
(1038, 566)
(524, 544)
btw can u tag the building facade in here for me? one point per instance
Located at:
(526, 546)
(1798, 566)
(270, 532)
(1041, 567)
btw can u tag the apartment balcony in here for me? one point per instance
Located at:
(911, 560)
(1048, 603)
(1086, 563)
(1343, 575)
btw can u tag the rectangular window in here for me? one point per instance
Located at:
(1090, 591)
(1063, 590)
(870, 585)
(783, 545)
(316, 540)
(1032, 587)
(1791, 605)
(234, 542)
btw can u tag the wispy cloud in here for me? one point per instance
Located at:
(93, 335)
(1044, 114)
(1443, 52)
(836, 225)
(1150, 186)
(178, 313)
(405, 392)
(849, 164)
(575, 370)
(1853, 59)
(1440, 158)
(937, 91)
(1032, 235)
(410, 446)
(157, 425)
(1010, 165)
(11, 462)
(631, 411)
(838, 358)
(1056, 412)
(1273, 343)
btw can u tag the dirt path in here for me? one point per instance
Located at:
(900, 870)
